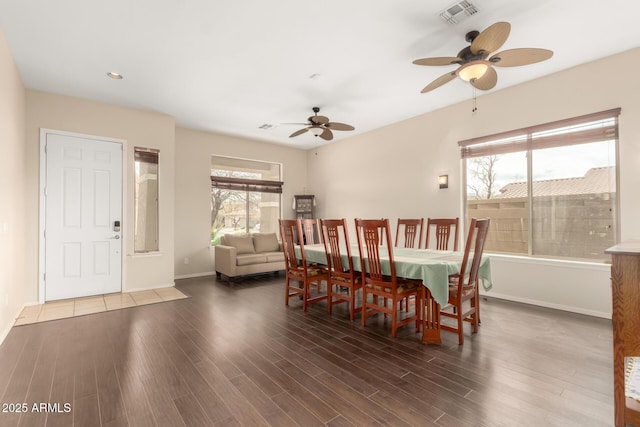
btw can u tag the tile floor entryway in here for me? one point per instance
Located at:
(95, 304)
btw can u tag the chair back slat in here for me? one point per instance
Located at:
(412, 230)
(334, 231)
(478, 229)
(442, 229)
(369, 233)
(290, 230)
(310, 230)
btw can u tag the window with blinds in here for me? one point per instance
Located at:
(245, 196)
(550, 189)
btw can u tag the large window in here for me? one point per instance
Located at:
(245, 196)
(550, 190)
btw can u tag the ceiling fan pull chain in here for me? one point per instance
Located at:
(475, 105)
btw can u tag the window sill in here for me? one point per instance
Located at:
(520, 259)
(146, 254)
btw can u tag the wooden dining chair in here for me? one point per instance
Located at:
(463, 286)
(311, 231)
(441, 231)
(379, 284)
(344, 281)
(412, 229)
(299, 275)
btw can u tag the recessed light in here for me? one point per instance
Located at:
(115, 76)
(265, 126)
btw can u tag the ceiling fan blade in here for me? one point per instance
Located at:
(439, 81)
(442, 60)
(491, 38)
(327, 135)
(299, 132)
(517, 57)
(486, 82)
(339, 126)
(319, 119)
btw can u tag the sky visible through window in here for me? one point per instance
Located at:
(554, 163)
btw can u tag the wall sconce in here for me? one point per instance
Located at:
(443, 180)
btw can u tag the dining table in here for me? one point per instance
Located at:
(432, 267)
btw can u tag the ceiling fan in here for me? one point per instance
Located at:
(475, 64)
(321, 126)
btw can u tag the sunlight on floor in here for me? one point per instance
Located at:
(95, 304)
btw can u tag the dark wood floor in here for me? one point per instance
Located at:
(237, 356)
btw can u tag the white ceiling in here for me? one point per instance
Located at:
(231, 66)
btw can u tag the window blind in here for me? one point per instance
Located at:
(146, 155)
(245, 184)
(601, 126)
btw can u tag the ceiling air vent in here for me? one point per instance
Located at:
(457, 12)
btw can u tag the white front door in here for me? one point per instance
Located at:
(83, 214)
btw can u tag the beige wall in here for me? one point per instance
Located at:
(12, 195)
(193, 189)
(139, 129)
(411, 154)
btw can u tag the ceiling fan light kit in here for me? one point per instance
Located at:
(321, 126)
(476, 66)
(473, 70)
(316, 130)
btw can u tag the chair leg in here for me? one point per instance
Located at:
(478, 303)
(329, 297)
(352, 304)
(418, 308)
(364, 307)
(286, 291)
(394, 317)
(476, 314)
(305, 296)
(460, 324)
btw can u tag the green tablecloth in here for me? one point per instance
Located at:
(431, 266)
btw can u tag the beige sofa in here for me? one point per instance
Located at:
(241, 255)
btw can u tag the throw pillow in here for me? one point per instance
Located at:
(242, 242)
(265, 242)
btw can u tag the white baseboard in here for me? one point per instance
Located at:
(190, 276)
(7, 329)
(547, 304)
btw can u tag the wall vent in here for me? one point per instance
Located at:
(458, 12)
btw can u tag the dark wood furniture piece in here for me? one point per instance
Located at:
(378, 284)
(463, 286)
(412, 229)
(625, 285)
(299, 275)
(442, 233)
(304, 206)
(344, 281)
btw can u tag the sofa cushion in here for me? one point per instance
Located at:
(265, 242)
(275, 256)
(249, 259)
(242, 242)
